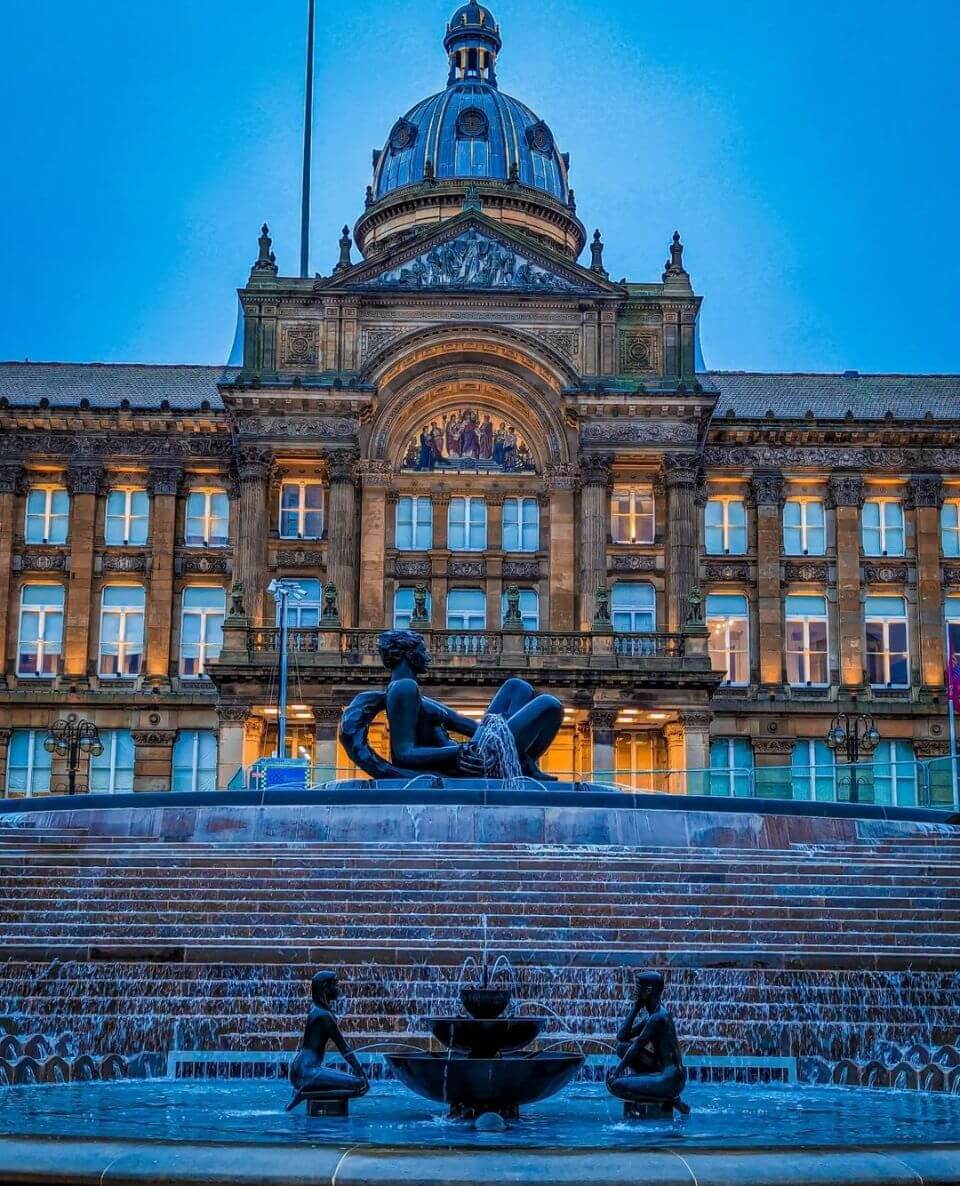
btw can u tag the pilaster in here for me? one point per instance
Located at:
(153, 759)
(846, 497)
(603, 722)
(926, 497)
(83, 483)
(374, 479)
(767, 497)
(680, 473)
(10, 475)
(164, 483)
(596, 479)
(342, 530)
(253, 472)
(562, 482)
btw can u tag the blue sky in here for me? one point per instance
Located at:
(808, 152)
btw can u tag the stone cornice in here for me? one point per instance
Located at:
(111, 446)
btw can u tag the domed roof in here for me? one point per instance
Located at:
(471, 130)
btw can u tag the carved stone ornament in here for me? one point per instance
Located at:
(234, 714)
(84, 479)
(300, 558)
(472, 124)
(254, 728)
(123, 562)
(540, 138)
(404, 567)
(327, 714)
(374, 337)
(766, 488)
(804, 570)
(165, 480)
(951, 574)
(566, 342)
(342, 464)
(335, 427)
(694, 719)
(374, 474)
(199, 562)
(300, 344)
(885, 574)
(31, 561)
(925, 490)
(738, 570)
(467, 568)
(253, 463)
(154, 737)
(521, 570)
(10, 478)
(330, 609)
(773, 745)
(596, 469)
(236, 609)
(899, 459)
(403, 136)
(631, 562)
(927, 747)
(638, 432)
(420, 613)
(603, 720)
(845, 490)
(97, 445)
(638, 352)
(681, 469)
(601, 608)
(563, 476)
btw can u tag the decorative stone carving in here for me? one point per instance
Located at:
(299, 558)
(927, 747)
(603, 720)
(335, 427)
(540, 138)
(254, 728)
(638, 352)
(845, 490)
(403, 136)
(695, 603)
(327, 714)
(405, 567)
(766, 488)
(601, 608)
(864, 458)
(511, 618)
(201, 563)
(123, 562)
(521, 570)
(473, 260)
(468, 568)
(681, 469)
(566, 342)
(374, 474)
(253, 463)
(233, 713)
(373, 338)
(10, 476)
(563, 476)
(638, 432)
(596, 469)
(342, 464)
(925, 490)
(472, 124)
(41, 561)
(731, 570)
(300, 344)
(165, 480)
(631, 562)
(805, 570)
(773, 745)
(885, 574)
(236, 610)
(84, 479)
(696, 719)
(154, 737)
(330, 609)
(97, 445)
(951, 574)
(421, 614)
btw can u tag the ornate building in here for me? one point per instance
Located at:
(468, 431)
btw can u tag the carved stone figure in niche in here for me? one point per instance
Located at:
(468, 438)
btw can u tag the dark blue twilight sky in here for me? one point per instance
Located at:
(807, 150)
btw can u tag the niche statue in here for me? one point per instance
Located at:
(326, 1091)
(517, 730)
(650, 1075)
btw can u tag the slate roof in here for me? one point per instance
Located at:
(750, 395)
(105, 385)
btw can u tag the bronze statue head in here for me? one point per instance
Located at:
(324, 989)
(650, 987)
(398, 646)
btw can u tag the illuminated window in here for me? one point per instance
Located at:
(208, 519)
(882, 527)
(806, 640)
(301, 510)
(48, 515)
(41, 630)
(950, 528)
(632, 515)
(728, 621)
(725, 527)
(201, 634)
(128, 513)
(121, 630)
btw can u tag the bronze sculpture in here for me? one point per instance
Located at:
(650, 1074)
(420, 743)
(326, 1091)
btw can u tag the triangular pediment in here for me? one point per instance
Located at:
(472, 253)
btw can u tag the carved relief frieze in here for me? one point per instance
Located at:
(562, 476)
(854, 457)
(638, 432)
(405, 566)
(37, 561)
(885, 574)
(804, 570)
(928, 747)
(300, 344)
(201, 563)
(338, 427)
(96, 445)
(521, 570)
(773, 745)
(154, 737)
(951, 574)
(728, 570)
(373, 338)
(122, 562)
(566, 342)
(631, 562)
(638, 352)
(467, 568)
(299, 558)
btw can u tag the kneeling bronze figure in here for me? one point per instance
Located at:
(326, 1091)
(650, 1075)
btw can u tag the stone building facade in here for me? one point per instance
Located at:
(469, 432)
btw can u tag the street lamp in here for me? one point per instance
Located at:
(71, 740)
(854, 733)
(283, 589)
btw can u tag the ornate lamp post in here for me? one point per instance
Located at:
(854, 733)
(71, 740)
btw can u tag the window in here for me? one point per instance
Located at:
(195, 761)
(28, 763)
(725, 527)
(806, 640)
(121, 630)
(201, 634)
(813, 771)
(888, 657)
(636, 765)
(803, 527)
(731, 766)
(631, 515)
(466, 609)
(414, 524)
(634, 607)
(48, 513)
(729, 625)
(304, 613)
(895, 774)
(882, 527)
(128, 513)
(301, 510)
(950, 528)
(521, 525)
(208, 519)
(951, 613)
(112, 772)
(41, 629)
(403, 602)
(467, 525)
(529, 609)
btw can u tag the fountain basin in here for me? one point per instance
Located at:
(484, 1003)
(485, 1038)
(476, 1085)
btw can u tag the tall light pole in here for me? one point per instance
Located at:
(283, 590)
(854, 733)
(307, 143)
(72, 740)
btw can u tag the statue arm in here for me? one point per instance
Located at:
(626, 1032)
(337, 1038)
(403, 713)
(456, 723)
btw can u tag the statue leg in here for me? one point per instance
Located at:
(534, 727)
(512, 695)
(325, 1083)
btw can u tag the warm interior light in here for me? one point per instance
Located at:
(657, 716)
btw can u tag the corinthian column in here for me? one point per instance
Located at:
(926, 498)
(594, 517)
(562, 481)
(767, 496)
(253, 472)
(846, 499)
(83, 482)
(680, 472)
(342, 530)
(10, 477)
(374, 480)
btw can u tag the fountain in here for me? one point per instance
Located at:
(483, 1069)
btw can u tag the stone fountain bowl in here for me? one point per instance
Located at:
(485, 1037)
(476, 1085)
(484, 1003)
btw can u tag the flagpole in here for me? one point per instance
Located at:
(307, 143)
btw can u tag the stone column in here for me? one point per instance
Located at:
(164, 482)
(696, 749)
(596, 470)
(327, 717)
(439, 581)
(926, 497)
(493, 565)
(4, 748)
(773, 773)
(10, 476)
(374, 480)
(342, 530)
(83, 482)
(562, 482)
(680, 474)
(230, 739)
(153, 759)
(676, 758)
(603, 722)
(846, 497)
(250, 560)
(767, 498)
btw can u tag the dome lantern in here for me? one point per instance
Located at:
(472, 43)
